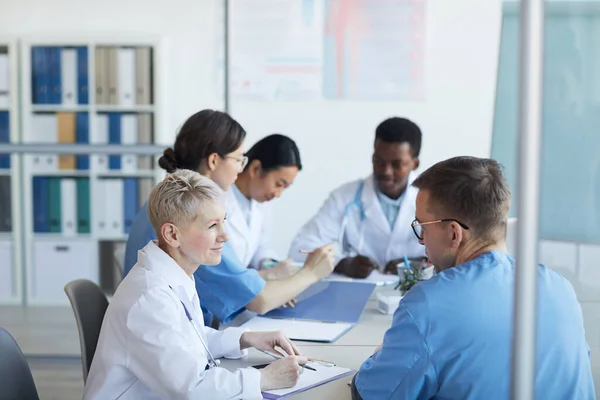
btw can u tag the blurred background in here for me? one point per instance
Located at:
(324, 72)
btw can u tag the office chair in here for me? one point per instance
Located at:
(89, 306)
(17, 381)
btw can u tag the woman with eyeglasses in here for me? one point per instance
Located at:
(212, 143)
(273, 163)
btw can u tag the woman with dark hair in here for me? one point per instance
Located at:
(273, 163)
(211, 143)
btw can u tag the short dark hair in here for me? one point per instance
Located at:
(472, 190)
(202, 134)
(275, 151)
(400, 130)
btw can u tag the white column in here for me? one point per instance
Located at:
(530, 107)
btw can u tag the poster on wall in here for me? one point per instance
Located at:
(374, 49)
(276, 49)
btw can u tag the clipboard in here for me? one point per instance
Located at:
(308, 380)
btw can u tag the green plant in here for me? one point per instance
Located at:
(411, 276)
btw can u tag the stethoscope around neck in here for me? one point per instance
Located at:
(348, 251)
(212, 363)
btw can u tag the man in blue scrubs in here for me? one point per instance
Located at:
(451, 336)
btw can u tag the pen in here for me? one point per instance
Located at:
(406, 263)
(279, 357)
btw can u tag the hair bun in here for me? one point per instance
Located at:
(168, 161)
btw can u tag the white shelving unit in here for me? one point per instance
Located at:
(54, 258)
(11, 285)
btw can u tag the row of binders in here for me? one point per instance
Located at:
(111, 128)
(63, 205)
(123, 75)
(4, 77)
(60, 75)
(4, 138)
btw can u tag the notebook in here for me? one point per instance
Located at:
(328, 301)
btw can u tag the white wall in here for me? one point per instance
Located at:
(186, 28)
(335, 137)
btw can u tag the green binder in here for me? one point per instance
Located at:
(83, 206)
(54, 202)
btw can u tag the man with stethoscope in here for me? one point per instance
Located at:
(370, 218)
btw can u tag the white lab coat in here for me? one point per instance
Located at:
(251, 243)
(379, 242)
(148, 348)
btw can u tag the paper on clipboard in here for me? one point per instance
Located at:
(308, 380)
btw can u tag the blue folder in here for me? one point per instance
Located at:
(329, 302)
(82, 135)
(114, 137)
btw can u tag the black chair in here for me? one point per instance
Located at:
(89, 306)
(17, 381)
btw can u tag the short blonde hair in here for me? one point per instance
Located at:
(177, 198)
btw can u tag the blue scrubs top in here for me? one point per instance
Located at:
(451, 338)
(223, 290)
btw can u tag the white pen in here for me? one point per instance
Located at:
(279, 357)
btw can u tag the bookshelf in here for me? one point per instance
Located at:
(78, 208)
(11, 287)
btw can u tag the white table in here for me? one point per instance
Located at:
(349, 351)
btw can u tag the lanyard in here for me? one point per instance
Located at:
(212, 363)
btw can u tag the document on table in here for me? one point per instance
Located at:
(310, 331)
(375, 277)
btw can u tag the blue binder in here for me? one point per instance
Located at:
(114, 137)
(328, 302)
(54, 62)
(4, 138)
(40, 204)
(39, 75)
(130, 202)
(82, 75)
(82, 135)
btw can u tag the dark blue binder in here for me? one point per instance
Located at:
(329, 301)
(82, 135)
(82, 75)
(4, 138)
(114, 137)
(130, 202)
(40, 204)
(54, 61)
(39, 75)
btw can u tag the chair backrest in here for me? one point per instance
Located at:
(17, 381)
(89, 305)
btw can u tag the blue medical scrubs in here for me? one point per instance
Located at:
(223, 290)
(451, 338)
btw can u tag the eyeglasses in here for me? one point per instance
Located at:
(243, 160)
(417, 226)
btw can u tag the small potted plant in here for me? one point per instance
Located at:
(409, 276)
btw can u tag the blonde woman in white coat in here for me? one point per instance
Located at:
(153, 343)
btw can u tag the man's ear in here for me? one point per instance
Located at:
(212, 161)
(416, 163)
(457, 234)
(170, 234)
